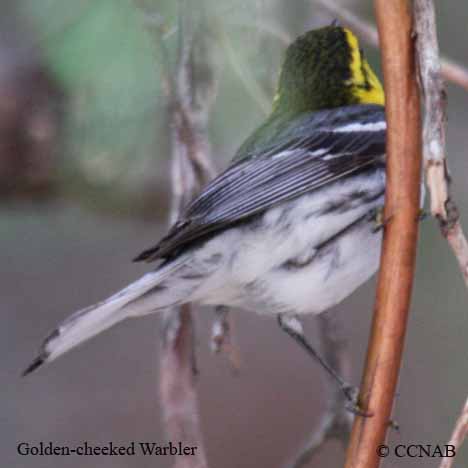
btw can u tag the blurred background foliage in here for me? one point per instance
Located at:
(103, 55)
(100, 135)
(83, 157)
(105, 61)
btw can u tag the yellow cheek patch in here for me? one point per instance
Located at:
(365, 84)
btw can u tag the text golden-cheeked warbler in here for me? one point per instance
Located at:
(288, 228)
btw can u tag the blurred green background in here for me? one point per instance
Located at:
(84, 187)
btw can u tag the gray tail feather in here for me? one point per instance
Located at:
(88, 322)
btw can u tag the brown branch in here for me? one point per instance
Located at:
(458, 436)
(443, 206)
(395, 278)
(451, 70)
(336, 421)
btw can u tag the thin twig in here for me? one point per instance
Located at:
(245, 75)
(178, 394)
(451, 70)
(402, 194)
(223, 337)
(190, 169)
(443, 207)
(190, 109)
(365, 30)
(459, 434)
(268, 26)
(336, 421)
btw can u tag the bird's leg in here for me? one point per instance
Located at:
(293, 327)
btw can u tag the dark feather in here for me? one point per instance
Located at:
(304, 155)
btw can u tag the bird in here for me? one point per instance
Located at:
(291, 226)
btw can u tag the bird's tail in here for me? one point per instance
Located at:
(148, 294)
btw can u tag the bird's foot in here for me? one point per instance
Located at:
(423, 214)
(380, 221)
(352, 404)
(377, 216)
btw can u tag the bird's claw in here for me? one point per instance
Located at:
(352, 405)
(423, 214)
(379, 221)
(392, 424)
(377, 216)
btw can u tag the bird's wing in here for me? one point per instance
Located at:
(314, 151)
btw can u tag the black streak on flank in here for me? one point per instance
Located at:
(342, 205)
(192, 275)
(214, 259)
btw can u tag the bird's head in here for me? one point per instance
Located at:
(326, 68)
